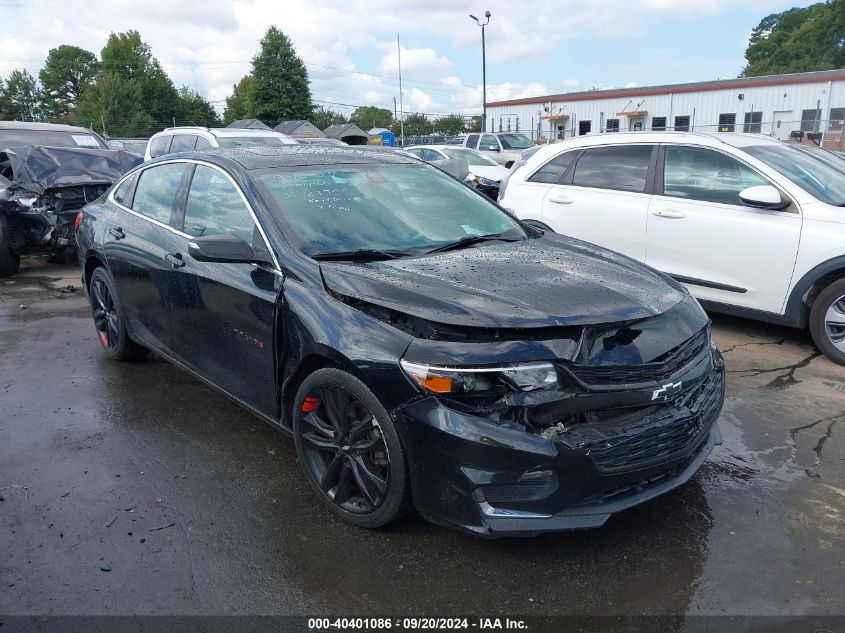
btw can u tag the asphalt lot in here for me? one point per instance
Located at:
(133, 489)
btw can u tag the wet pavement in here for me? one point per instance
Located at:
(130, 488)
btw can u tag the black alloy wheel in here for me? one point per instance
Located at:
(105, 314)
(349, 449)
(108, 318)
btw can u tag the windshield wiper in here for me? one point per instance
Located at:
(469, 240)
(357, 255)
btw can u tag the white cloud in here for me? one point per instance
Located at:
(415, 62)
(208, 44)
(703, 7)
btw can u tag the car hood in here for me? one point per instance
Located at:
(541, 282)
(488, 171)
(37, 169)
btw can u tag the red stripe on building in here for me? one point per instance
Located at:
(834, 75)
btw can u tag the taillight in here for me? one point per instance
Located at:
(78, 221)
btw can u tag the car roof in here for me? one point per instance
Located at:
(222, 131)
(269, 156)
(438, 147)
(722, 138)
(29, 125)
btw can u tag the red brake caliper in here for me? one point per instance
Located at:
(310, 404)
(104, 339)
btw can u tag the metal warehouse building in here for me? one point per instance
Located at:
(802, 106)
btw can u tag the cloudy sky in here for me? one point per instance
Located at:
(534, 46)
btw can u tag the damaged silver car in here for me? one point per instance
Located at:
(47, 174)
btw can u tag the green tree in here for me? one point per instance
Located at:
(281, 91)
(113, 107)
(450, 125)
(193, 109)
(20, 98)
(239, 104)
(798, 40)
(127, 56)
(366, 117)
(417, 125)
(323, 117)
(67, 71)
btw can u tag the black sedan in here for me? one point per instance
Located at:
(424, 348)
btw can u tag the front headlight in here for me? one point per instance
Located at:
(486, 182)
(477, 380)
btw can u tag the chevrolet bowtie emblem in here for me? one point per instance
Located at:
(667, 391)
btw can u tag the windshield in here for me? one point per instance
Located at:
(49, 138)
(515, 141)
(811, 174)
(398, 208)
(472, 158)
(240, 141)
(830, 158)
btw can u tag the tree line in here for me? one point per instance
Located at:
(123, 93)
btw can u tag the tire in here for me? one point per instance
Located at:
(109, 318)
(329, 463)
(10, 263)
(827, 321)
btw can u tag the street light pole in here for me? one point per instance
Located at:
(483, 69)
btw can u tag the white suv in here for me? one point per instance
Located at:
(752, 226)
(189, 138)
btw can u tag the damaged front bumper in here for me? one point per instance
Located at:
(498, 478)
(43, 188)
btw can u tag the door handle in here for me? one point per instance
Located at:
(175, 260)
(117, 233)
(672, 214)
(561, 199)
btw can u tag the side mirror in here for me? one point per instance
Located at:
(224, 249)
(493, 148)
(763, 197)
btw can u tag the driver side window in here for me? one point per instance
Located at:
(215, 207)
(696, 173)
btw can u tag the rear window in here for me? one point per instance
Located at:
(183, 143)
(156, 191)
(620, 167)
(49, 138)
(238, 141)
(160, 146)
(472, 140)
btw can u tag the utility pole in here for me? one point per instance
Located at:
(401, 106)
(483, 69)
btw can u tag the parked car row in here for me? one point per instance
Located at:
(484, 174)
(512, 369)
